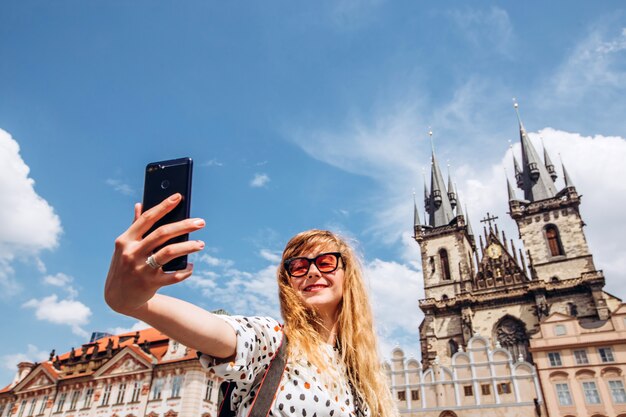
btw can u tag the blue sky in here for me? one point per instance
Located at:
(297, 116)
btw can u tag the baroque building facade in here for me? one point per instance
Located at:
(138, 374)
(582, 364)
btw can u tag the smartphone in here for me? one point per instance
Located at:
(163, 179)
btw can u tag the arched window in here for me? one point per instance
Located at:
(573, 310)
(554, 240)
(445, 264)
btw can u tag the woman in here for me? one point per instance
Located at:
(332, 367)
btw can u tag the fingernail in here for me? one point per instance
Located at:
(201, 244)
(199, 222)
(175, 197)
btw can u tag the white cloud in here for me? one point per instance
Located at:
(69, 312)
(259, 180)
(394, 291)
(61, 280)
(271, 256)
(238, 292)
(214, 261)
(33, 354)
(120, 186)
(139, 325)
(591, 81)
(58, 280)
(28, 223)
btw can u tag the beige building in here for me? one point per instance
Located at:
(130, 375)
(481, 381)
(582, 365)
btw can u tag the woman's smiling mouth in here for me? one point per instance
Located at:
(314, 287)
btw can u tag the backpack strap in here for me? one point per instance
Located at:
(225, 410)
(269, 384)
(266, 391)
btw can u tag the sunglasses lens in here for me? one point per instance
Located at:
(326, 262)
(298, 267)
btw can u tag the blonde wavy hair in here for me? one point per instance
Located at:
(356, 337)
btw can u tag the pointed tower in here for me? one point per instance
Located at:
(447, 251)
(535, 179)
(549, 165)
(550, 225)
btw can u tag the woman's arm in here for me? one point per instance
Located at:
(131, 286)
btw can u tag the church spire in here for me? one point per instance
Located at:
(452, 195)
(568, 180)
(470, 232)
(536, 181)
(517, 169)
(549, 164)
(439, 207)
(416, 216)
(512, 196)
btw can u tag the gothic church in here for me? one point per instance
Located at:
(483, 285)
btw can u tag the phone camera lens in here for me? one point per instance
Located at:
(165, 184)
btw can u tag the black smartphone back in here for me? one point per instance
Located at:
(164, 179)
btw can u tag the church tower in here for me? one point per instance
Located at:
(549, 222)
(447, 248)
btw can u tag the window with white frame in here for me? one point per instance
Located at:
(606, 354)
(581, 357)
(88, 397)
(177, 383)
(209, 389)
(555, 358)
(591, 392)
(562, 393)
(617, 391)
(157, 387)
(136, 392)
(61, 402)
(559, 330)
(42, 408)
(121, 393)
(74, 399)
(106, 395)
(31, 410)
(22, 407)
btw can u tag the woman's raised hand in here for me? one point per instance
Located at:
(131, 282)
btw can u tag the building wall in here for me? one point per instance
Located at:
(480, 381)
(556, 349)
(192, 400)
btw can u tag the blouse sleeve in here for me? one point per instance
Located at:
(258, 339)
